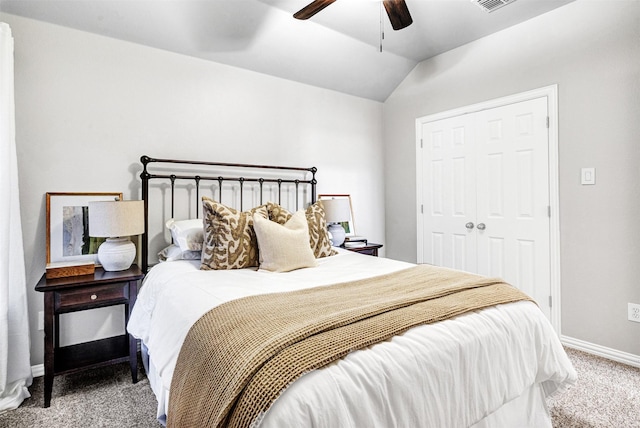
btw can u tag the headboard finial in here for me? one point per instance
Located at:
(144, 159)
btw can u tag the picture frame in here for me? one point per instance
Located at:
(68, 226)
(349, 226)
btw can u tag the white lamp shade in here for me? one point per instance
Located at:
(111, 219)
(336, 210)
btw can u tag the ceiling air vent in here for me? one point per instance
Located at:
(491, 5)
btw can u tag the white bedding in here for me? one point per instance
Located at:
(484, 368)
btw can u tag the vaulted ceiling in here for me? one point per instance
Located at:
(338, 49)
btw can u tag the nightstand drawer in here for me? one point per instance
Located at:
(367, 251)
(102, 295)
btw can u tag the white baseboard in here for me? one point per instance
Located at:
(37, 370)
(601, 351)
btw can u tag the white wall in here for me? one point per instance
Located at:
(87, 108)
(591, 49)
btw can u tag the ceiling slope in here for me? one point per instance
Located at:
(337, 49)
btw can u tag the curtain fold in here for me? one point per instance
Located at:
(15, 366)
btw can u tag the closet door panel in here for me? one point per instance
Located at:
(512, 195)
(449, 193)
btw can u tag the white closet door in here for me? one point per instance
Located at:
(489, 169)
(513, 186)
(449, 193)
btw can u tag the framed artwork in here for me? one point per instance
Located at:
(349, 226)
(68, 238)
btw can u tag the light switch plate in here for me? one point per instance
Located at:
(588, 176)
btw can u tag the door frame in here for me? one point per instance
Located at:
(551, 92)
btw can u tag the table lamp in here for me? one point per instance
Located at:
(116, 221)
(336, 211)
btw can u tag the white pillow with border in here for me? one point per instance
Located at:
(187, 234)
(284, 248)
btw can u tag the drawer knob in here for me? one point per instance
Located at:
(94, 296)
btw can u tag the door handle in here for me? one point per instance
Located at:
(482, 226)
(469, 225)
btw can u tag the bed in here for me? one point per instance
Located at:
(488, 367)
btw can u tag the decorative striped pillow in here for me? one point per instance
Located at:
(229, 238)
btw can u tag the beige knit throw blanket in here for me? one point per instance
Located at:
(240, 356)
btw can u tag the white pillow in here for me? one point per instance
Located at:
(173, 253)
(187, 234)
(284, 247)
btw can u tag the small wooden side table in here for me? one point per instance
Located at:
(79, 293)
(369, 249)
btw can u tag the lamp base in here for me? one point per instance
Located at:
(116, 254)
(337, 234)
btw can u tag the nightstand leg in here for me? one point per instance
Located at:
(48, 348)
(48, 387)
(133, 358)
(133, 343)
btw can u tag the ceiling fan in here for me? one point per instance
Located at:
(396, 10)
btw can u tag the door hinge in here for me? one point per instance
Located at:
(549, 210)
(547, 121)
(421, 209)
(420, 142)
(550, 301)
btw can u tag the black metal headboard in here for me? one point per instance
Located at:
(173, 170)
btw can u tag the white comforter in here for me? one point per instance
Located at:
(455, 373)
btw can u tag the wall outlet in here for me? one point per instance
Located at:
(634, 312)
(41, 320)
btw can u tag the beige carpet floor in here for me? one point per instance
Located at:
(103, 397)
(607, 394)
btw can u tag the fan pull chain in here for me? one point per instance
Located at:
(381, 27)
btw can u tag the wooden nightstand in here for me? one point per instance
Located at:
(369, 249)
(79, 293)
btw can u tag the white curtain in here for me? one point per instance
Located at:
(15, 366)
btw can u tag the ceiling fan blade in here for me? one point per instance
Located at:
(312, 8)
(398, 13)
